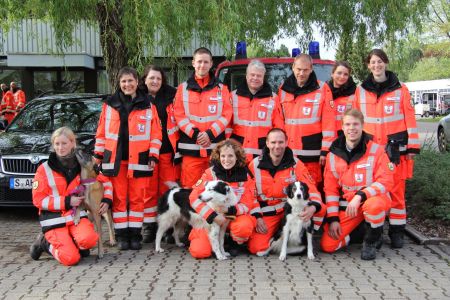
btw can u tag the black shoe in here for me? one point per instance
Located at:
(36, 249)
(149, 232)
(379, 243)
(369, 251)
(123, 245)
(84, 253)
(135, 245)
(168, 237)
(397, 239)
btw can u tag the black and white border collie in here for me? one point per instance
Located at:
(174, 211)
(288, 238)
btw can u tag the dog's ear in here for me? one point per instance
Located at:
(305, 190)
(289, 190)
(222, 188)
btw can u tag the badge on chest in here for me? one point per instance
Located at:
(212, 108)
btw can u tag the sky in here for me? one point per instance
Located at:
(325, 53)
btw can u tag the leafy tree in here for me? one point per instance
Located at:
(431, 68)
(132, 30)
(260, 50)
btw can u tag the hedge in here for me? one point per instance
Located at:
(428, 192)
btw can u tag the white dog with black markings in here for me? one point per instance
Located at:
(174, 211)
(288, 238)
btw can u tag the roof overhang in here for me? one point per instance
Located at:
(48, 61)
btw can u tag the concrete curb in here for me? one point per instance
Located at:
(422, 239)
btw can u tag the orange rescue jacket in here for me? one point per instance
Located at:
(144, 130)
(51, 195)
(244, 190)
(369, 173)
(339, 100)
(253, 117)
(19, 100)
(196, 110)
(306, 117)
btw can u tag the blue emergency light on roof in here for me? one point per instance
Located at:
(295, 52)
(241, 50)
(314, 50)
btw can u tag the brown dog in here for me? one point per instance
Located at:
(93, 192)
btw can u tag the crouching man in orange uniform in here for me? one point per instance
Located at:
(273, 172)
(358, 176)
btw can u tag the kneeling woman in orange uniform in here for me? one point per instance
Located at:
(56, 193)
(358, 177)
(228, 163)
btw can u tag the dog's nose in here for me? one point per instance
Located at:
(299, 196)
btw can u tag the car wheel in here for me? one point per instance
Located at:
(442, 142)
(427, 114)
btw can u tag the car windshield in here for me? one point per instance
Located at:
(275, 74)
(81, 115)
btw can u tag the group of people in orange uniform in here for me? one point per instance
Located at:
(13, 101)
(352, 145)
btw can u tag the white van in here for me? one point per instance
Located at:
(431, 97)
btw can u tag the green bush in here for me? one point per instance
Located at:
(428, 192)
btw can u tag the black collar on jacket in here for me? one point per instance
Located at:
(290, 85)
(265, 162)
(346, 90)
(235, 174)
(165, 95)
(339, 148)
(141, 101)
(68, 173)
(391, 84)
(264, 92)
(193, 85)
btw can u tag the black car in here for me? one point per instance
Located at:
(25, 144)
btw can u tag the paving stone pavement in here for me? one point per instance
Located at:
(414, 272)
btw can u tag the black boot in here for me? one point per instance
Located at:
(123, 242)
(39, 246)
(149, 232)
(397, 235)
(84, 252)
(371, 241)
(135, 238)
(231, 246)
(168, 237)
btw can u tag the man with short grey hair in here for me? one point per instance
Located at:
(256, 110)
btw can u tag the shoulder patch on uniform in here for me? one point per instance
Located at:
(35, 184)
(199, 182)
(391, 166)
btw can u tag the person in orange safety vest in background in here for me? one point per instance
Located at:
(357, 180)
(168, 168)
(127, 147)
(256, 110)
(19, 97)
(340, 90)
(273, 172)
(202, 111)
(228, 163)
(307, 116)
(8, 106)
(390, 121)
(57, 191)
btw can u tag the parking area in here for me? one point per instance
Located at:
(414, 272)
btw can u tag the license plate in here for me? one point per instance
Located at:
(20, 183)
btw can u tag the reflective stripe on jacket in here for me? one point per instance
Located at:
(306, 116)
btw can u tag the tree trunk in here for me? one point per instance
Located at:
(115, 53)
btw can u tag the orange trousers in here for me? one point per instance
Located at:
(397, 213)
(128, 199)
(66, 241)
(9, 117)
(315, 170)
(192, 169)
(240, 230)
(164, 171)
(373, 211)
